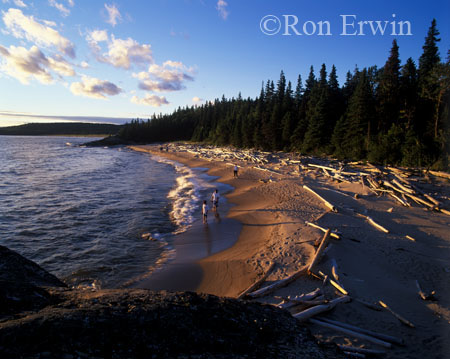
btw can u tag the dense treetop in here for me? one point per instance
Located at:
(397, 114)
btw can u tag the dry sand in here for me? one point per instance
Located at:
(371, 265)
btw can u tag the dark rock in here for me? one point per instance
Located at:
(136, 323)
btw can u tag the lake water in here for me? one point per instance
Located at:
(80, 212)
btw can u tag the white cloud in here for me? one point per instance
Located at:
(121, 53)
(23, 64)
(61, 8)
(94, 87)
(197, 100)
(71, 3)
(150, 100)
(222, 9)
(22, 26)
(166, 78)
(84, 65)
(20, 3)
(113, 14)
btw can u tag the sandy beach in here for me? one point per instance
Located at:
(269, 214)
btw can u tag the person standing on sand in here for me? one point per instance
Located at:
(235, 171)
(215, 199)
(205, 212)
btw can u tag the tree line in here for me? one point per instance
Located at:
(397, 114)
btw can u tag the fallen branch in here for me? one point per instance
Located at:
(354, 355)
(349, 348)
(334, 235)
(398, 316)
(258, 282)
(310, 312)
(279, 284)
(422, 294)
(328, 204)
(367, 304)
(318, 254)
(382, 336)
(352, 333)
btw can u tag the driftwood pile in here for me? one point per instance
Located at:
(402, 185)
(310, 307)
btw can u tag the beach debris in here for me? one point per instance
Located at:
(338, 286)
(258, 283)
(334, 269)
(279, 284)
(398, 316)
(308, 299)
(410, 238)
(373, 223)
(328, 204)
(148, 236)
(356, 334)
(423, 295)
(367, 304)
(332, 234)
(348, 348)
(310, 312)
(382, 336)
(354, 355)
(319, 251)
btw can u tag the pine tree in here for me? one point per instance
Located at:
(408, 94)
(430, 56)
(388, 105)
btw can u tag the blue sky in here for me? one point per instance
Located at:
(117, 60)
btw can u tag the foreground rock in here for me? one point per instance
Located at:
(139, 323)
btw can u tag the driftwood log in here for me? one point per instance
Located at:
(398, 316)
(349, 348)
(382, 336)
(352, 333)
(258, 282)
(320, 250)
(279, 284)
(328, 204)
(310, 312)
(334, 235)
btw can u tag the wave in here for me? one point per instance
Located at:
(185, 196)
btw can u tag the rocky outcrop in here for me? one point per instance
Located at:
(134, 323)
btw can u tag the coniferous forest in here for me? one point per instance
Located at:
(396, 115)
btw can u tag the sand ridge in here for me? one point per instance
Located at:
(372, 266)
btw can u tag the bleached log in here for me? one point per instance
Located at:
(338, 287)
(398, 316)
(405, 189)
(382, 336)
(439, 174)
(352, 333)
(328, 204)
(410, 238)
(303, 297)
(422, 294)
(349, 348)
(322, 167)
(376, 225)
(279, 284)
(367, 304)
(354, 355)
(310, 312)
(403, 203)
(320, 250)
(334, 269)
(431, 199)
(334, 235)
(420, 200)
(258, 282)
(445, 211)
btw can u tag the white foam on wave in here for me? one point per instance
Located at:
(185, 196)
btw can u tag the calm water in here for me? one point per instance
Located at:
(80, 212)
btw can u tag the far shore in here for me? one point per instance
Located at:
(273, 207)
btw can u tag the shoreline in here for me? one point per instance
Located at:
(272, 205)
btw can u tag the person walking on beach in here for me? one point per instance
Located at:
(215, 199)
(235, 171)
(205, 212)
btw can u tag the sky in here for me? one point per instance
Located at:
(112, 61)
